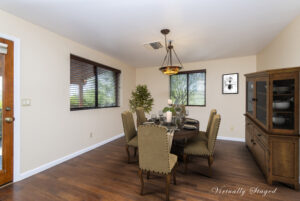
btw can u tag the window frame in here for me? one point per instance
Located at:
(187, 84)
(95, 65)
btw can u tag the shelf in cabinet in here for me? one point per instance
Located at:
(283, 94)
(283, 111)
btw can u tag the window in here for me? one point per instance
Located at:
(189, 88)
(93, 85)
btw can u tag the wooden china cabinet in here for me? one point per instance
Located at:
(272, 123)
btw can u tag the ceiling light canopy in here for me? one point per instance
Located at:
(167, 65)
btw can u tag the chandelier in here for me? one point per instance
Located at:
(167, 65)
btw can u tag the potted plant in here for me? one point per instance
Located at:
(141, 97)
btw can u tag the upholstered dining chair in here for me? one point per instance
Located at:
(203, 148)
(140, 116)
(183, 110)
(203, 135)
(130, 132)
(154, 154)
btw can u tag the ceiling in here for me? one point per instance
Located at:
(200, 29)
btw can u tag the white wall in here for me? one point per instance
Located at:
(231, 107)
(49, 130)
(284, 49)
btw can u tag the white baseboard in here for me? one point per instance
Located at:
(65, 158)
(231, 139)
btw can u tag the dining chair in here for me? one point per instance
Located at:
(140, 116)
(130, 132)
(203, 148)
(203, 135)
(154, 154)
(182, 107)
(183, 110)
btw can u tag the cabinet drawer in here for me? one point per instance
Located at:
(249, 139)
(249, 133)
(261, 136)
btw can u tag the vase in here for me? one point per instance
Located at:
(169, 116)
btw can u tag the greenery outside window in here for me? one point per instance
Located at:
(188, 88)
(93, 85)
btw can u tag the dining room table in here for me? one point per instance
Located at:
(182, 133)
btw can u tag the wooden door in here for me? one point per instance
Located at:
(284, 107)
(260, 154)
(262, 101)
(284, 164)
(6, 110)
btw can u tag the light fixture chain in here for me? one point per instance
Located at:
(170, 49)
(177, 58)
(165, 59)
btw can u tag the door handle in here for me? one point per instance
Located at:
(9, 119)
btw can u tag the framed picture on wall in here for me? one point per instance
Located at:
(230, 83)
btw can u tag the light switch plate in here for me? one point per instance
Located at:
(26, 102)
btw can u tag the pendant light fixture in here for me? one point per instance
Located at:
(167, 66)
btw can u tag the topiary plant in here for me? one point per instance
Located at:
(141, 97)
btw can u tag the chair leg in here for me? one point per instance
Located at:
(148, 174)
(185, 160)
(142, 181)
(210, 162)
(135, 149)
(128, 154)
(174, 174)
(168, 181)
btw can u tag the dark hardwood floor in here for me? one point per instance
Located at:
(103, 174)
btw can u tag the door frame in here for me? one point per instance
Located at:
(17, 107)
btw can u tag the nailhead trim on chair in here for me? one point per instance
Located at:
(167, 149)
(217, 131)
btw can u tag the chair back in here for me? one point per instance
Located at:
(213, 133)
(183, 110)
(182, 107)
(213, 112)
(140, 116)
(128, 125)
(153, 148)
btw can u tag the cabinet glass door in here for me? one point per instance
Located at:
(283, 104)
(250, 97)
(261, 101)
